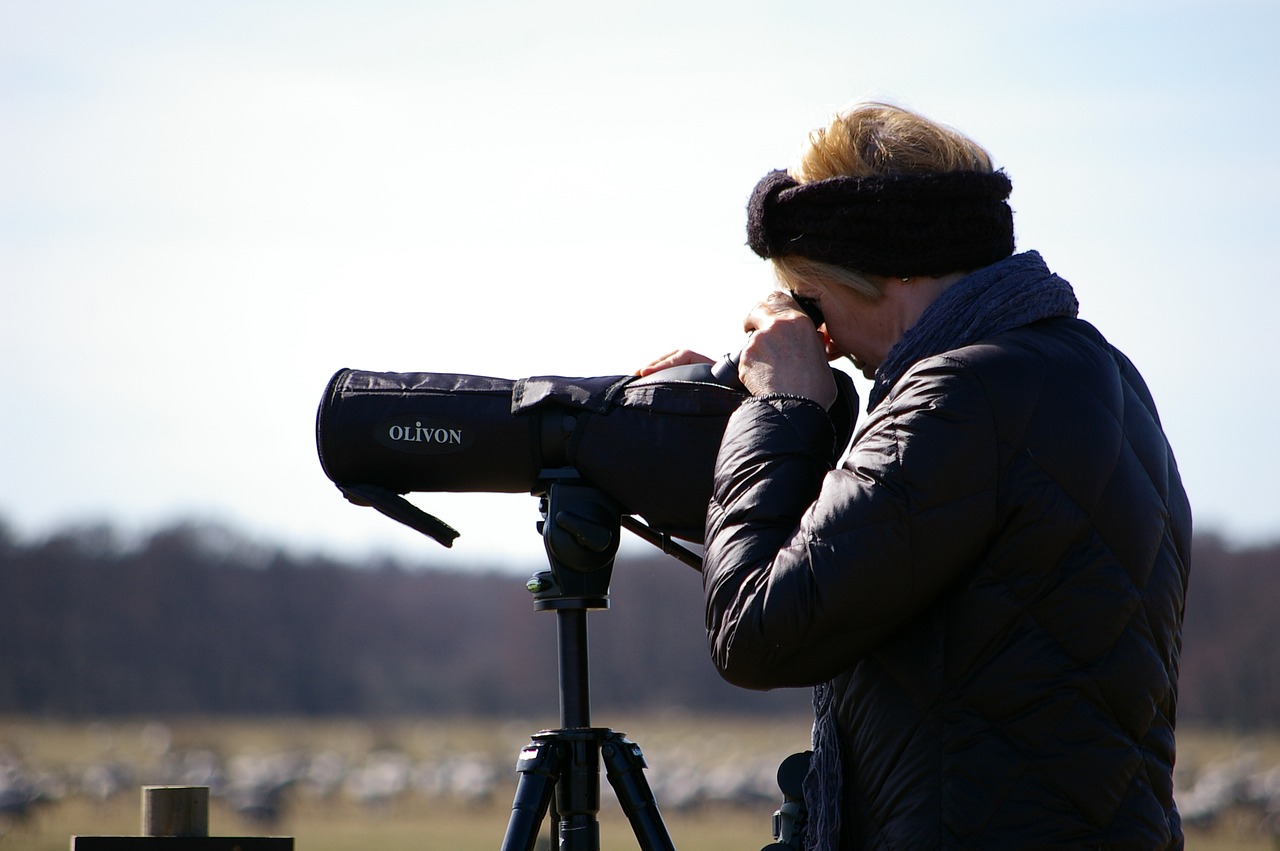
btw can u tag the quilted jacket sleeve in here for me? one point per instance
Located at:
(806, 568)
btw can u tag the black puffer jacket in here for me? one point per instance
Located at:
(993, 583)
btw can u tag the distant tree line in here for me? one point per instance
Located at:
(197, 620)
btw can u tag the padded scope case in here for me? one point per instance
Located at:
(649, 443)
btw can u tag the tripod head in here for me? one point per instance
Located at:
(581, 528)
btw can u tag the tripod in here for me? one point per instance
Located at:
(580, 530)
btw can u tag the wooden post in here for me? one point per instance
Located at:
(175, 810)
(176, 818)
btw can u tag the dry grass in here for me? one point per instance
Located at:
(413, 821)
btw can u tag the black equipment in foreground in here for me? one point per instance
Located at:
(790, 820)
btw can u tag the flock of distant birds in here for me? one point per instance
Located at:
(260, 787)
(257, 787)
(1241, 784)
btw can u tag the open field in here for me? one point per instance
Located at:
(418, 784)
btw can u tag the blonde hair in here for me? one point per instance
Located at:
(870, 139)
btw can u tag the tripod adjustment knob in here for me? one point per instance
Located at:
(540, 582)
(594, 536)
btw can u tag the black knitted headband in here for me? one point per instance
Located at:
(902, 224)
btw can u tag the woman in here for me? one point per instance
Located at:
(987, 593)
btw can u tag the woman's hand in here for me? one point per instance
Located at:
(784, 354)
(680, 357)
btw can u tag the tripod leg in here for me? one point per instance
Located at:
(578, 790)
(539, 766)
(624, 766)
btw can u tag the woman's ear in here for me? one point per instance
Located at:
(833, 351)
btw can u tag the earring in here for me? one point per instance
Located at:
(904, 280)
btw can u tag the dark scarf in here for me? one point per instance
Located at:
(1016, 291)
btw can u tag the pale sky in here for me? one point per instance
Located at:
(206, 208)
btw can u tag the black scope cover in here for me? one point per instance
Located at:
(649, 443)
(424, 431)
